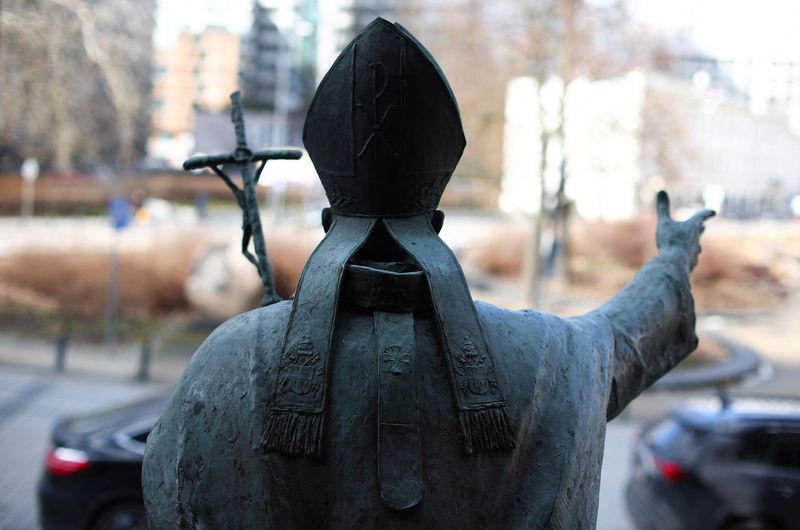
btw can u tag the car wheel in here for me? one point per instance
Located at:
(122, 516)
(750, 524)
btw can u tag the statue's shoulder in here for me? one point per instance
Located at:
(228, 356)
(522, 338)
(509, 327)
(492, 316)
(210, 412)
(234, 342)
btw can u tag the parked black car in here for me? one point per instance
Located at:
(719, 464)
(93, 470)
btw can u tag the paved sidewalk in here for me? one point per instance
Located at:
(89, 359)
(30, 401)
(620, 438)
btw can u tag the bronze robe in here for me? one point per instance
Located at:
(563, 379)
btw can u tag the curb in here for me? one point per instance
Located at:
(743, 361)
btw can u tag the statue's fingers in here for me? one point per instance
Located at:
(701, 216)
(662, 205)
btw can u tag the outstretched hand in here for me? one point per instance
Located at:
(679, 238)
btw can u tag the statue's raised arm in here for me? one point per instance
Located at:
(652, 318)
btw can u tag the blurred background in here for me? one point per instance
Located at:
(115, 264)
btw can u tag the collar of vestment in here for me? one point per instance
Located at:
(388, 287)
(295, 421)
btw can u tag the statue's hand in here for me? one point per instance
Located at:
(680, 240)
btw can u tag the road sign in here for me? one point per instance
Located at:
(120, 211)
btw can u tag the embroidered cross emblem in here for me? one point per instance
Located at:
(394, 357)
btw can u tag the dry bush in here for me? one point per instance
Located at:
(501, 253)
(630, 242)
(592, 247)
(287, 256)
(223, 283)
(719, 260)
(151, 283)
(728, 276)
(731, 274)
(15, 296)
(76, 284)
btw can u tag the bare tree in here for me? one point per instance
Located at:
(460, 35)
(78, 68)
(564, 40)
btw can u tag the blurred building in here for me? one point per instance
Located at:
(766, 86)
(213, 132)
(272, 64)
(263, 49)
(278, 65)
(744, 158)
(629, 136)
(603, 145)
(341, 20)
(198, 72)
(362, 12)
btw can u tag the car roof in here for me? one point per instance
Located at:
(741, 413)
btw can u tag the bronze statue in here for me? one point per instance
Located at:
(382, 396)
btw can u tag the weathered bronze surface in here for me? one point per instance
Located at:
(382, 396)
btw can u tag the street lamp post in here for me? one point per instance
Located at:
(29, 172)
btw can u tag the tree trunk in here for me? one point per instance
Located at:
(561, 212)
(533, 262)
(118, 82)
(65, 137)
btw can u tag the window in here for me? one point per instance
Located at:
(787, 450)
(754, 448)
(777, 449)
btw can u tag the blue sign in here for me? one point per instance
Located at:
(121, 212)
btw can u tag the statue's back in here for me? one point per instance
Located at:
(207, 454)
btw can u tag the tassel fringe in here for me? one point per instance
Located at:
(293, 433)
(486, 430)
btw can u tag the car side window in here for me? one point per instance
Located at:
(787, 450)
(754, 448)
